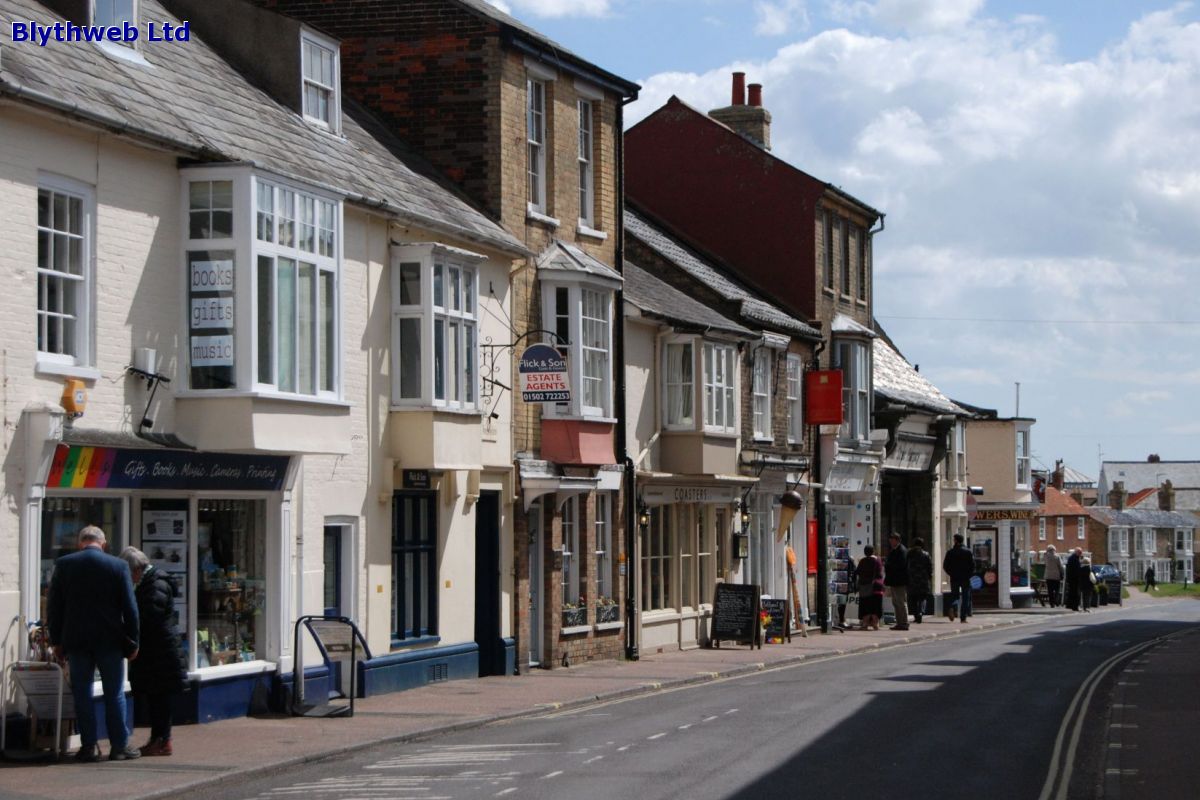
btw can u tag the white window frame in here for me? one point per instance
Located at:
(577, 350)
(572, 551)
(246, 247)
(853, 358)
(458, 309)
(1080, 528)
(658, 547)
(535, 140)
(1059, 533)
(678, 385)
(1041, 529)
(586, 156)
(1144, 538)
(316, 223)
(310, 42)
(1184, 541)
(720, 395)
(795, 407)
(760, 392)
(80, 353)
(1118, 541)
(604, 551)
(1023, 475)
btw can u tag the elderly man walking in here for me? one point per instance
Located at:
(94, 624)
(895, 575)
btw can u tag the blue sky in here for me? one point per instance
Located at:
(1037, 161)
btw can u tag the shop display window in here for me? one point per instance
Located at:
(230, 581)
(63, 518)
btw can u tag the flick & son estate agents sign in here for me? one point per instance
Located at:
(543, 375)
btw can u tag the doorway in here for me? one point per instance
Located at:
(332, 579)
(487, 585)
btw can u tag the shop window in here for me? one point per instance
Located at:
(231, 587)
(572, 573)
(63, 518)
(708, 555)
(604, 550)
(688, 521)
(656, 561)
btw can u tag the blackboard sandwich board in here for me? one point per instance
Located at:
(735, 615)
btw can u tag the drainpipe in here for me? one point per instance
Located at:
(630, 506)
(823, 610)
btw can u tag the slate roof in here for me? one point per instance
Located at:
(752, 308)
(895, 379)
(1141, 474)
(658, 299)
(190, 100)
(1143, 516)
(1075, 478)
(561, 256)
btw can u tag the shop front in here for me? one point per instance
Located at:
(999, 539)
(689, 541)
(216, 522)
(851, 500)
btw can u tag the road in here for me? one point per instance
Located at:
(998, 714)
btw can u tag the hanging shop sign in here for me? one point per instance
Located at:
(911, 454)
(542, 373)
(79, 467)
(823, 397)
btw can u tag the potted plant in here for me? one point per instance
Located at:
(574, 614)
(607, 610)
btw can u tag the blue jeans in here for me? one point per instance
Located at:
(111, 663)
(961, 592)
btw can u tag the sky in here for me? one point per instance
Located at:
(1038, 162)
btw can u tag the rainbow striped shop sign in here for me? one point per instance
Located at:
(80, 467)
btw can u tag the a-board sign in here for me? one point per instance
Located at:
(735, 613)
(778, 628)
(336, 637)
(542, 375)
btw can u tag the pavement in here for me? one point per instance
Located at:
(234, 749)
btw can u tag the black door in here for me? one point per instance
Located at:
(487, 584)
(332, 584)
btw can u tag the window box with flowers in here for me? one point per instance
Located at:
(574, 615)
(607, 611)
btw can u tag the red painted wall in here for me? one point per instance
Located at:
(725, 195)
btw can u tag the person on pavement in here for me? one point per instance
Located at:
(1087, 585)
(959, 564)
(94, 625)
(896, 579)
(869, 574)
(1074, 576)
(920, 578)
(160, 672)
(1150, 583)
(1053, 575)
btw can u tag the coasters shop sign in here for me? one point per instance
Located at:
(543, 375)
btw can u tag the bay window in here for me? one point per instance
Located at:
(1183, 541)
(679, 391)
(435, 327)
(1145, 541)
(1118, 541)
(263, 265)
(854, 360)
(761, 394)
(720, 388)
(580, 315)
(795, 420)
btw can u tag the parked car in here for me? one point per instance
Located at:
(1108, 577)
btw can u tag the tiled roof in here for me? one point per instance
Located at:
(1060, 504)
(1140, 496)
(563, 257)
(895, 379)
(189, 99)
(1133, 517)
(752, 308)
(659, 299)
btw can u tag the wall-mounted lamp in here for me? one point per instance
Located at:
(745, 512)
(643, 515)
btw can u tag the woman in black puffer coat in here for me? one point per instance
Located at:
(159, 672)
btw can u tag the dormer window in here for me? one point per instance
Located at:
(320, 79)
(116, 14)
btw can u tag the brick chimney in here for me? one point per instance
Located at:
(1166, 496)
(1117, 496)
(1056, 478)
(750, 120)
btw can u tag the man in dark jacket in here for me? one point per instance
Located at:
(94, 624)
(959, 564)
(1074, 575)
(895, 576)
(920, 578)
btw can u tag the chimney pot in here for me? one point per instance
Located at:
(739, 89)
(756, 94)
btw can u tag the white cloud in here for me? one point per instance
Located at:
(500, 4)
(780, 17)
(562, 8)
(1019, 185)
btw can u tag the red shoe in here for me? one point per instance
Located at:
(157, 747)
